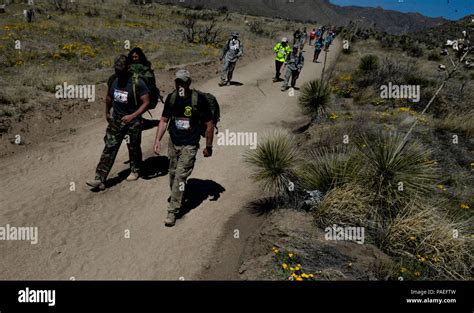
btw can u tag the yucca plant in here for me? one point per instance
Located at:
(396, 171)
(328, 169)
(314, 98)
(274, 162)
(369, 63)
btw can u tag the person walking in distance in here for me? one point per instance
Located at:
(318, 46)
(281, 50)
(231, 52)
(312, 36)
(304, 38)
(294, 62)
(189, 115)
(124, 123)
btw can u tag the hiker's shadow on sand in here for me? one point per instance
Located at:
(155, 166)
(197, 191)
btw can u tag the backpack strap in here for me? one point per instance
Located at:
(194, 100)
(135, 82)
(174, 97)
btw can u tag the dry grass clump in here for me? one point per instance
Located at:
(434, 246)
(348, 205)
(458, 122)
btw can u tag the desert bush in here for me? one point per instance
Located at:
(348, 205)
(369, 63)
(458, 122)
(274, 162)
(415, 50)
(314, 98)
(434, 56)
(388, 70)
(431, 246)
(193, 33)
(396, 171)
(328, 169)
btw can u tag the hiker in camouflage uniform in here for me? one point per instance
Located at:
(294, 62)
(231, 52)
(124, 123)
(186, 111)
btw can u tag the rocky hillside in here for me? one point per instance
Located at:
(321, 11)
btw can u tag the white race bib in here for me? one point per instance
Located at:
(182, 123)
(120, 96)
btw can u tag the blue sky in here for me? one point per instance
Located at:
(450, 9)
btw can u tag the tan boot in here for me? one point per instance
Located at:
(96, 184)
(133, 176)
(170, 220)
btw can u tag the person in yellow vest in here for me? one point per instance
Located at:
(281, 50)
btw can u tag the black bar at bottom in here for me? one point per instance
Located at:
(241, 296)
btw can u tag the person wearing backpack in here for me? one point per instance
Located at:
(231, 52)
(189, 116)
(123, 123)
(141, 67)
(294, 62)
(281, 50)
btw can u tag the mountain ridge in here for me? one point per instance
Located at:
(321, 11)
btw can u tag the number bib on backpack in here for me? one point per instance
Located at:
(182, 123)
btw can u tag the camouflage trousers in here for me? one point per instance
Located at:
(293, 74)
(228, 71)
(116, 132)
(182, 159)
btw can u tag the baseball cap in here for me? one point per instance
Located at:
(120, 63)
(284, 39)
(183, 75)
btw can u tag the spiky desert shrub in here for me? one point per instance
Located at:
(369, 63)
(395, 171)
(329, 168)
(274, 162)
(315, 98)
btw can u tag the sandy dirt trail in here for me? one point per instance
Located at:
(83, 234)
